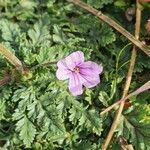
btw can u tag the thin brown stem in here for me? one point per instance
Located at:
(113, 24)
(128, 79)
(111, 107)
(5, 80)
(11, 57)
(141, 89)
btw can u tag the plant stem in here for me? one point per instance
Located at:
(5, 80)
(128, 79)
(141, 89)
(110, 107)
(11, 57)
(113, 24)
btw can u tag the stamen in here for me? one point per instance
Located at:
(76, 70)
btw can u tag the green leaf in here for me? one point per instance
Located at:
(90, 119)
(27, 131)
(2, 108)
(94, 121)
(88, 96)
(28, 4)
(120, 3)
(49, 54)
(106, 35)
(103, 97)
(59, 36)
(99, 3)
(10, 31)
(4, 97)
(39, 34)
(137, 132)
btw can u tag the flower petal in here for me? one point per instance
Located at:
(63, 74)
(89, 81)
(89, 67)
(75, 86)
(74, 59)
(62, 64)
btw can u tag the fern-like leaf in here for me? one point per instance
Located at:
(27, 131)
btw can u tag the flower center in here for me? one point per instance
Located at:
(76, 70)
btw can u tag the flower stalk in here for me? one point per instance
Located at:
(11, 58)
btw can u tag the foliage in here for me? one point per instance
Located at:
(39, 112)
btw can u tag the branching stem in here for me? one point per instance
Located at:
(128, 79)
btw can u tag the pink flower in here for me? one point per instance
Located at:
(78, 72)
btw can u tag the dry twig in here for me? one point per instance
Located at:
(128, 79)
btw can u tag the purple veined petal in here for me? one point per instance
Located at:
(63, 74)
(74, 59)
(75, 86)
(89, 67)
(89, 81)
(62, 64)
